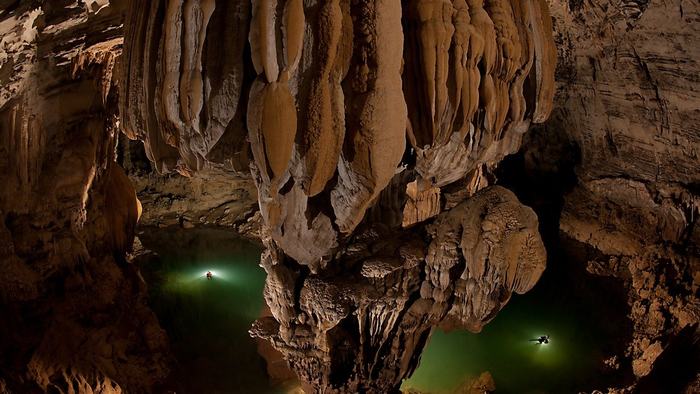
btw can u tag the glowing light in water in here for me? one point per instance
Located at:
(213, 273)
(189, 280)
(208, 320)
(217, 274)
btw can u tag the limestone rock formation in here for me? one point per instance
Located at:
(328, 95)
(182, 81)
(370, 131)
(422, 202)
(499, 240)
(361, 328)
(483, 384)
(74, 317)
(476, 75)
(346, 118)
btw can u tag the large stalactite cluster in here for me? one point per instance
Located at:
(183, 81)
(476, 75)
(335, 91)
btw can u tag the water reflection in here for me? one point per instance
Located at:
(505, 349)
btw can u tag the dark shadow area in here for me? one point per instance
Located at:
(676, 367)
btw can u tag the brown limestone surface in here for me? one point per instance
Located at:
(74, 317)
(323, 97)
(477, 73)
(338, 125)
(629, 88)
(499, 240)
(627, 114)
(182, 81)
(211, 197)
(627, 100)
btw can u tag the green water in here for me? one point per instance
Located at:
(207, 321)
(581, 336)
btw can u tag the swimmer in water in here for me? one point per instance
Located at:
(544, 339)
(209, 275)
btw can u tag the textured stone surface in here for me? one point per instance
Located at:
(629, 92)
(211, 197)
(182, 81)
(476, 75)
(627, 102)
(498, 239)
(74, 317)
(362, 328)
(626, 114)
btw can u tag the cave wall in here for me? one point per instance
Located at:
(626, 122)
(627, 100)
(73, 312)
